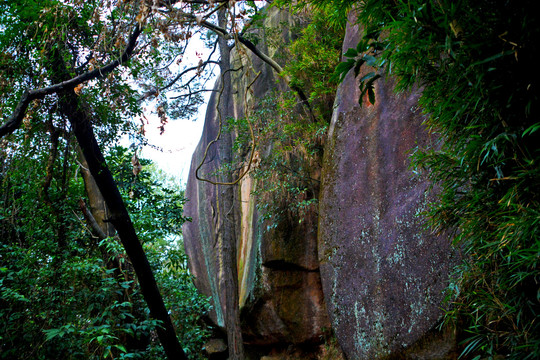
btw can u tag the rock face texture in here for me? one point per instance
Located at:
(280, 290)
(364, 265)
(383, 274)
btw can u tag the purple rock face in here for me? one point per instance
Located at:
(383, 273)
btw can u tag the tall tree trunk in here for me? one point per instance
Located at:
(97, 217)
(80, 120)
(227, 231)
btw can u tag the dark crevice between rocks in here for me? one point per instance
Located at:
(282, 265)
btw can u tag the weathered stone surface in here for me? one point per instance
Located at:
(215, 349)
(290, 310)
(199, 235)
(280, 290)
(383, 274)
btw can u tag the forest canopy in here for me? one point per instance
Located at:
(80, 276)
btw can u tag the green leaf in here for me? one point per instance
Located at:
(494, 57)
(121, 348)
(368, 87)
(370, 60)
(371, 95)
(358, 66)
(342, 69)
(52, 333)
(362, 46)
(351, 53)
(531, 129)
(368, 76)
(377, 45)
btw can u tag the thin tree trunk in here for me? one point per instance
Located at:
(228, 221)
(97, 217)
(80, 120)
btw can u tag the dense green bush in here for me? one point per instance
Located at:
(66, 294)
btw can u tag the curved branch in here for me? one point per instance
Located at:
(155, 92)
(264, 57)
(267, 59)
(224, 33)
(14, 121)
(53, 154)
(96, 230)
(192, 93)
(81, 121)
(252, 155)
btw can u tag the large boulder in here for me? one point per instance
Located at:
(383, 271)
(368, 250)
(280, 291)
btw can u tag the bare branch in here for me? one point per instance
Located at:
(14, 121)
(193, 93)
(53, 154)
(96, 229)
(264, 57)
(154, 92)
(252, 155)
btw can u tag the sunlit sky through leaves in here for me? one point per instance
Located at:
(172, 150)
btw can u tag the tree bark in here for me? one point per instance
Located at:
(80, 120)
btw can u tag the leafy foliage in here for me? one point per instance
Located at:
(335, 10)
(158, 216)
(311, 59)
(289, 141)
(364, 54)
(64, 293)
(45, 43)
(286, 169)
